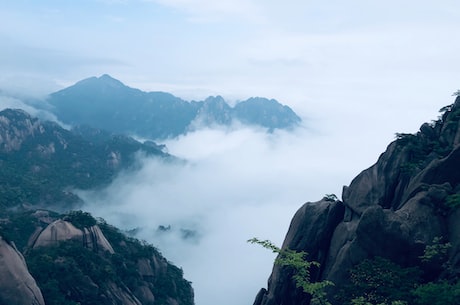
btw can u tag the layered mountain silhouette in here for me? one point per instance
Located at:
(106, 103)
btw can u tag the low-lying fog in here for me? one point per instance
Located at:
(237, 184)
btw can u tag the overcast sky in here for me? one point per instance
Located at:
(357, 72)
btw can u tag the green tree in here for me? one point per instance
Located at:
(80, 219)
(441, 293)
(301, 266)
(379, 281)
(437, 251)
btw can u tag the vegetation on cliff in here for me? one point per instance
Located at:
(393, 239)
(41, 162)
(70, 273)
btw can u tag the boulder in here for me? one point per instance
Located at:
(17, 286)
(57, 231)
(61, 230)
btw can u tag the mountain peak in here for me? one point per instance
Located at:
(94, 83)
(109, 80)
(106, 103)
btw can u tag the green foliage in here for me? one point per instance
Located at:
(80, 219)
(362, 301)
(18, 226)
(453, 201)
(437, 251)
(80, 273)
(71, 274)
(441, 293)
(426, 145)
(301, 266)
(380, 281)
(46, 165)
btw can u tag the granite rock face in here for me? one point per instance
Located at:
(17, 285)
(61, 230)
(92, 262)
(393, 209)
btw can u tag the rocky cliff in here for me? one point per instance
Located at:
(17, 286)
(396, 209)
(74, 259)
(61, 230)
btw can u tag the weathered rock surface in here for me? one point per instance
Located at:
(18, 287)
(92, 263)
(311, 230)
(393, 210)
(15, 127)
(61, 230)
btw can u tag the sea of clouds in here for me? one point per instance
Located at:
(237, 183)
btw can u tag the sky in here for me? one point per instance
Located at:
(356, 71)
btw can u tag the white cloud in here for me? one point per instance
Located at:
(217, 11)
(14, 103)
(360, 70)
(238, 184)
(7, 101)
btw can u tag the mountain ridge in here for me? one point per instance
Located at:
(40, 160)
(48, 258)
(106, 103)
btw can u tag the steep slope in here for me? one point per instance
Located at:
(40, 161)
(75, 259)
(53, 259)
(268, 113)
(17, 286)
(406, 203)
(106, 103)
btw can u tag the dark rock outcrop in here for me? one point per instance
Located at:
(311, 230)
(394, 210)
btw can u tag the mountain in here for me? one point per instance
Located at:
(106, 103)
(40, 162)
(67, 259)
(394, 236)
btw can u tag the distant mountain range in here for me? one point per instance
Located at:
(106, 103)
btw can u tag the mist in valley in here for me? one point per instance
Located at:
(236, 183)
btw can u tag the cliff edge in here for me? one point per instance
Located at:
(395, 209)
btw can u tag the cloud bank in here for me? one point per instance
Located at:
(237, 184)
